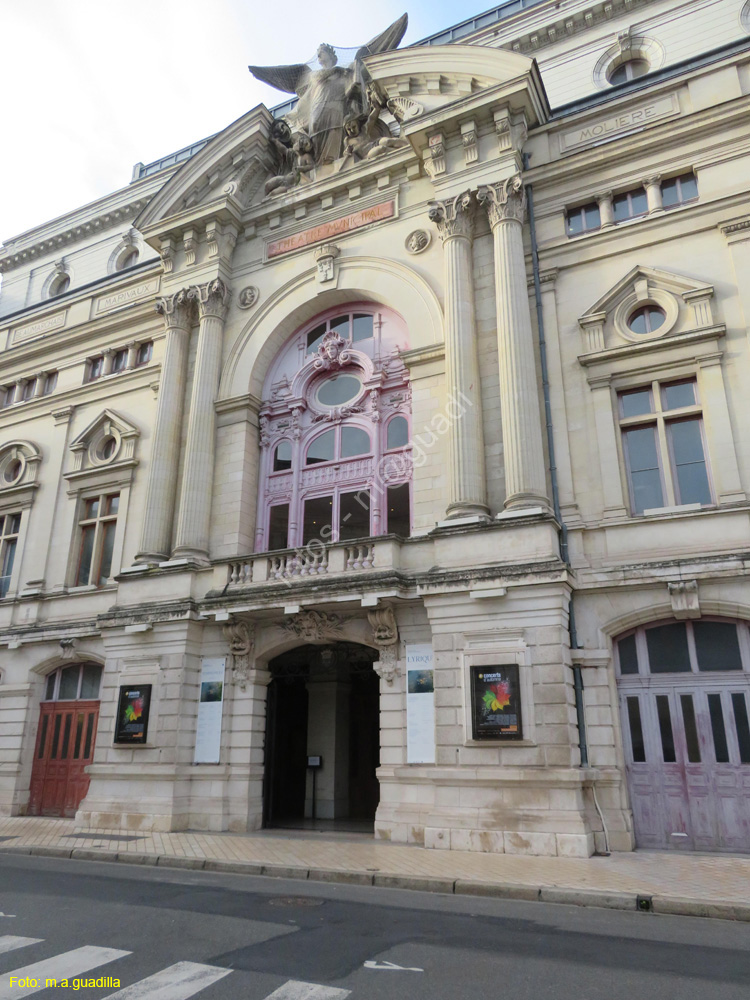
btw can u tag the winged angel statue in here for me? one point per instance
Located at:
(332, 89)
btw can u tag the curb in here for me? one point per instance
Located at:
(643, 903)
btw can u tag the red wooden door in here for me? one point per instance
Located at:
(64, 746)
(687, 754)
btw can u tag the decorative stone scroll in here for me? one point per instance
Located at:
(385, 633)
(683, 595)
(504, 201)
(454, 217)
(314, 626)
(332, 353)
(241, 638)
(213, 298)
(178, 309)
(68, 649)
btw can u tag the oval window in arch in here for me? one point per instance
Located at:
(398, 433)
(322, 449)
(338, 389)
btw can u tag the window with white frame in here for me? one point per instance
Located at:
(10, 526)
(77, 682)
(96, 538)
(663, 445)
(336, 456)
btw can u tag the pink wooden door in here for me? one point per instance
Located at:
(687, 750)
(64, 746)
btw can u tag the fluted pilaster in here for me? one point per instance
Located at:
(523, 452)
(197, 478)
(178, 311)
(454, 219)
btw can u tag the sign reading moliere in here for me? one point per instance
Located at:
(625, 121)
(336, 227)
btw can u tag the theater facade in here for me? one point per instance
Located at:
(379, 463)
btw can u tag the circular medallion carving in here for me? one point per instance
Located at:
(248, 297)
(417, 241)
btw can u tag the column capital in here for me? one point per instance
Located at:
(454, 216)
(178, 309)
(213, 298)
(505, 201)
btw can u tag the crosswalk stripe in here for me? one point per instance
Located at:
(9, 942)
(295, 990)
(66, 966)
(175, 983)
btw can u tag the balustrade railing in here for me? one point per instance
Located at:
(265, 567)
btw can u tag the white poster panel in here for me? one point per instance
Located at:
(420, 704)
(210, 704)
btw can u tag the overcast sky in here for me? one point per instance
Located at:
(91, 87)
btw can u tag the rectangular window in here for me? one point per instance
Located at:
(278, 527)
(663, 446)
(678, 190)
(399, 510)
(10, 525)
(630, 204)
(6, 395)
(96, 540)
(50, 383)
(636, 731)
(583, 219)
(29, 389)
(665, 728)
(144, 354)
(120, 360)
(739, 705)
(318, 520)
(691, 729)
(354, 515)
(716, 714)
(96, 367)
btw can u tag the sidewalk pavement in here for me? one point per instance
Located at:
(706, 885)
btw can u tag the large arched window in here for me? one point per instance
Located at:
(336, 458)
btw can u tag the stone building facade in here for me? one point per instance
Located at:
(413, 491)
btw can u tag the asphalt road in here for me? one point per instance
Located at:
(221, 937)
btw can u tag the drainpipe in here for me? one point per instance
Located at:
(564, 555)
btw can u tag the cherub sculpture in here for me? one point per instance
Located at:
(301, 163)
(364, 141)
(330, 94)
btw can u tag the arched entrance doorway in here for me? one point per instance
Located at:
(323, 702)
(68, 718)
(684, 691)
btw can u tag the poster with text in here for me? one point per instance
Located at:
(210, 706)
(496, 702)
(420, 704)
(131, 725)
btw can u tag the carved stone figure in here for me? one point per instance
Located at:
(312, 626)
(302, 164)
(363, 139)
(332, 352)
(328, 92)
(387, 667)
(383, 624)
(241, 638)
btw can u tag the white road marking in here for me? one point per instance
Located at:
(69, 965)
(295, 990)
(9, 942)
(7, 914)
(175, 983)
(389, 965)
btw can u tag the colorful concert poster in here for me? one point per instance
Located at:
(496, 702)
(132, 714)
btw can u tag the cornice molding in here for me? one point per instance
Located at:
(51, 244)
(573, 24)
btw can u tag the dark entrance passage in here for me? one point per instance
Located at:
(323, 701)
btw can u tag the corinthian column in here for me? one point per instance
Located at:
(523, 452)
(178, 312)
(455, 223)
(197, 478)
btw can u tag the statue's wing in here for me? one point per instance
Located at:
(388, 39)
(288, 78)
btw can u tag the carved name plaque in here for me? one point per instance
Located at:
(327, 230)
(606, 128)
(41, 326)
(123, 298)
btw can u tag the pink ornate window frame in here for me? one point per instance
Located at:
(291, 412)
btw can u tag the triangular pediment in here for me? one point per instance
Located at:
(107, 441)
(641, 280)
(221, 177)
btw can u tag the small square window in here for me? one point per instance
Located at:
(120, 360)
(583, 219)
(145, 352)
(50, 383)
(29, 389)
(96, 367)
